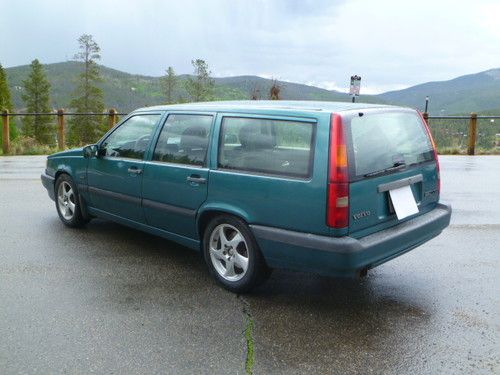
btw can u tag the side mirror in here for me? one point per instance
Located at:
(101, 151)
(90, 151)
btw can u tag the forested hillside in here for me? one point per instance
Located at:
(126, 91)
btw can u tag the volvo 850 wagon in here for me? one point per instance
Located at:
(331, 188)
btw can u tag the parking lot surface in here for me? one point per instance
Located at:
(109, 299)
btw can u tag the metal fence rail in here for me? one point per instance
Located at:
(20, 114)
(461, 117)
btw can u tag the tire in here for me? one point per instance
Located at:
(67, 202)
(232, 254)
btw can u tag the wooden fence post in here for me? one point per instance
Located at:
(6, 130)
(472, 134)
(112, 118)
(61, 141)
(425, 115)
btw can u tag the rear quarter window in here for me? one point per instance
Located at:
(275, 147)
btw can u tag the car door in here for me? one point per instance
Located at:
(175, 179)
(115, 176)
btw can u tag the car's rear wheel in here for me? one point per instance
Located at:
(67, 202)
(232, 254)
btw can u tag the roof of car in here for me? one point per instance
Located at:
(263, 105)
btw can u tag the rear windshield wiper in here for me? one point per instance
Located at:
(395, 166)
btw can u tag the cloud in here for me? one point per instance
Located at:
(391, 44)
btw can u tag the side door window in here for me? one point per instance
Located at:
(131, 139)
(184, 139)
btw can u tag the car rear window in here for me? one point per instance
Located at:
(384, 140)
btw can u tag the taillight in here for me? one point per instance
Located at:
(338, 180)
(435, 152)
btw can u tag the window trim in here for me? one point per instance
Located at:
(124, 121)
(164, 122)
(257, 172)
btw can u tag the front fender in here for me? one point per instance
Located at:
(74, 166)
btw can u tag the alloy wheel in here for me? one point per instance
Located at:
(66, 200)
(228, 252)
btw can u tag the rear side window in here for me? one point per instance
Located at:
(276, 147)
(388, 139)
(184, 139)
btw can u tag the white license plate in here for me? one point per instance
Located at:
(403, 202)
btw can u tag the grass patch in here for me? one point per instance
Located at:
(249, 362)
(463, 151)
(248, 333)
(29, 146)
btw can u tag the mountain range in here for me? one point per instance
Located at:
(478, 92)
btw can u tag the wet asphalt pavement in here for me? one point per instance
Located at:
(108, 299)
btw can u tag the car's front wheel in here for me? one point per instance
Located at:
(232, 254)
(67, 202)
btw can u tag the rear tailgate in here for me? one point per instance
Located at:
(388, 149)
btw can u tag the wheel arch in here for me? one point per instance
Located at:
(83, 202)
(207, 213)
(62, 170)
(260, 271)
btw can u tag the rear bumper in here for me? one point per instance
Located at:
(48, 183)
(346, 256)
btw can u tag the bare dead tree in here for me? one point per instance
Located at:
(275, 90)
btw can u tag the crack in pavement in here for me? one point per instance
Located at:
(248, 332)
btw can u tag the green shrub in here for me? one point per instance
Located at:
(29, 146)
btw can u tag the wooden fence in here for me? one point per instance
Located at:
(113, 115)
(61, 124)
(443, 129)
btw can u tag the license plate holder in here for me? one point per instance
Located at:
(402, 202)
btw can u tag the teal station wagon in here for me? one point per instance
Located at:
(331, 188)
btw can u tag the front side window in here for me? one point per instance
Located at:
(184, 139)
(131, 139)
(277, 147)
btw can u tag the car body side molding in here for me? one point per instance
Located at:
(112, 194)
(168, 207)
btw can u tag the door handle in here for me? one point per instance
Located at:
(196, 179)
(134, 170)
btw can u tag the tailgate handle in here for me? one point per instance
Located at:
(400, 183)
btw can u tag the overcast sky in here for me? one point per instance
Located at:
(390, 43)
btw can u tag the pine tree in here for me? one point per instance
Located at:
(6, 104)
(37, 98)
(5, 99)
(169, 81)
(88, 97)
(201, 87)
